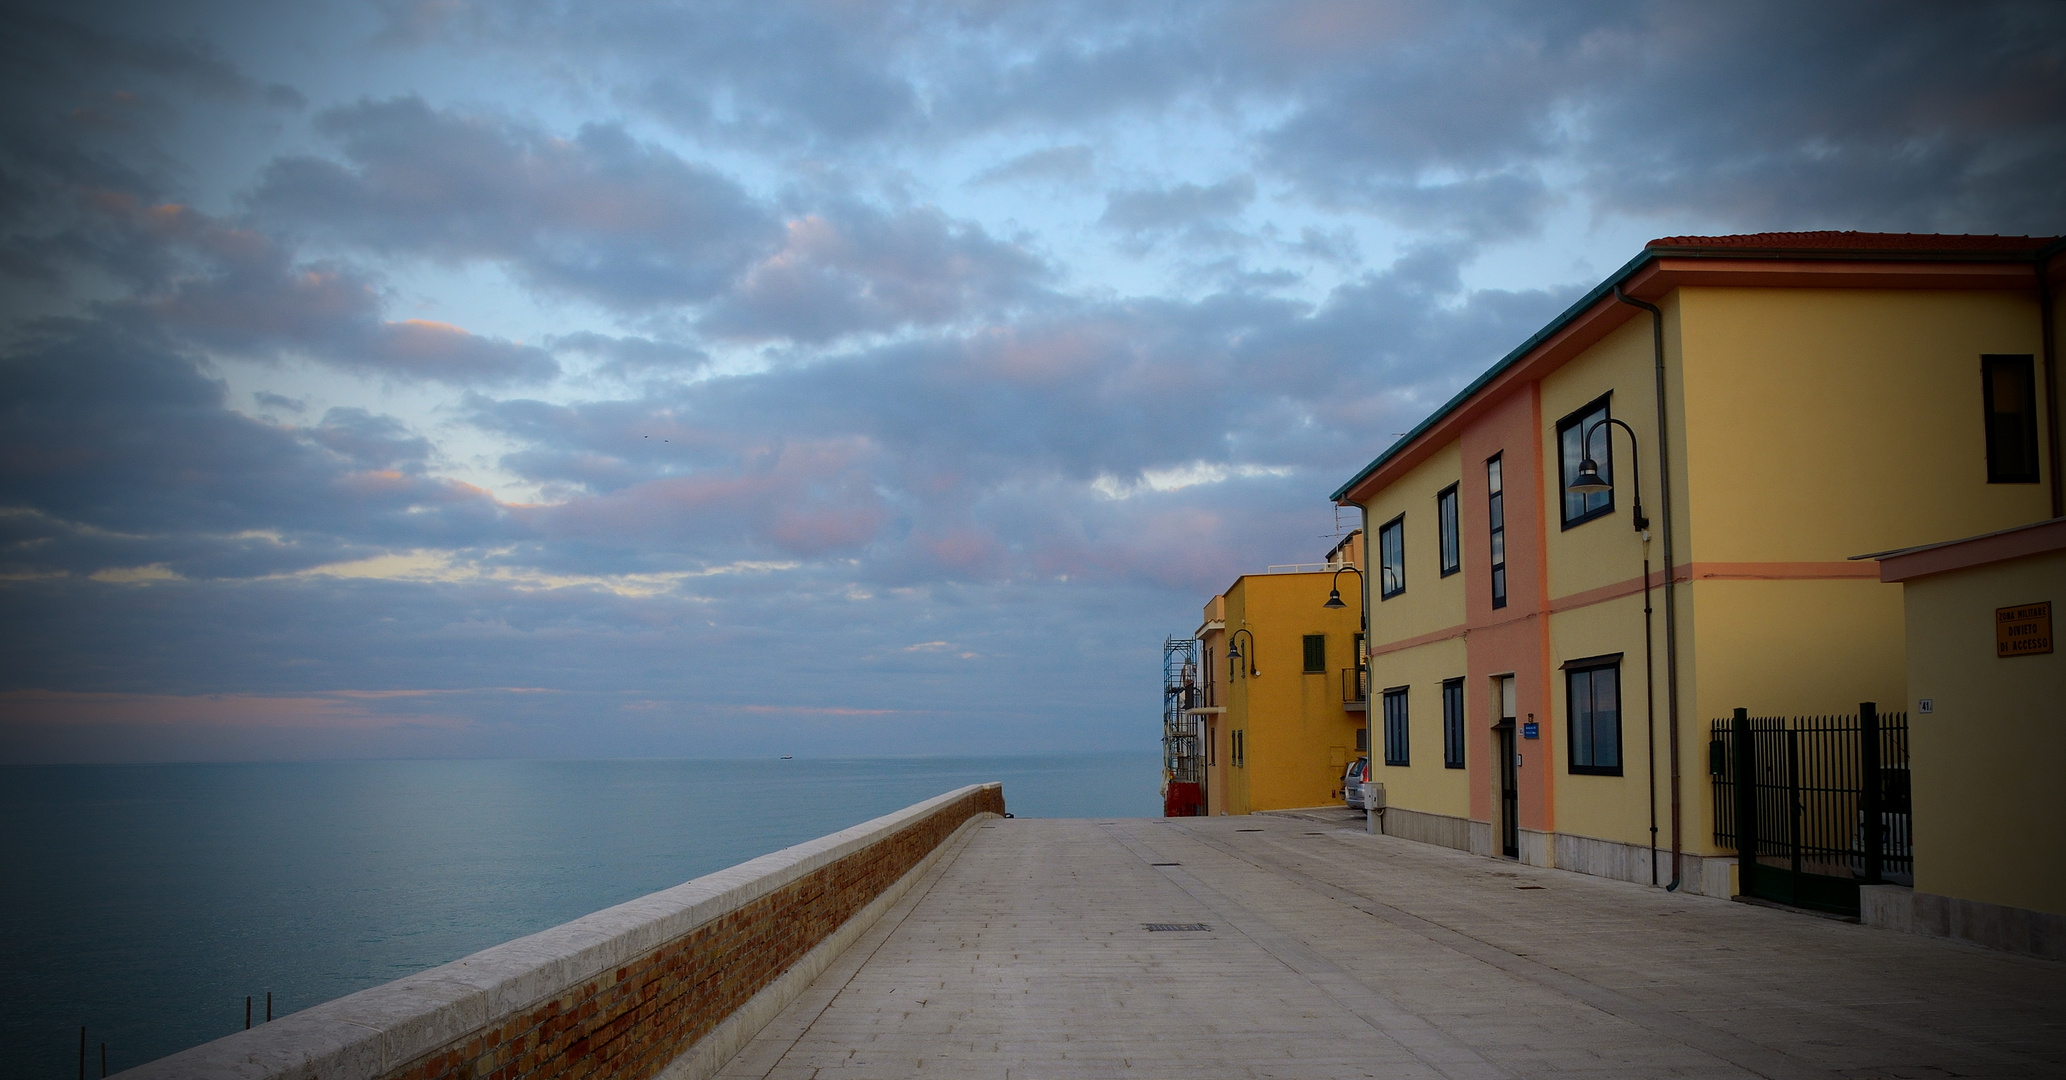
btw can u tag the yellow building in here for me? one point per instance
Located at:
(1757, 409)
(1988, 685)
(1284, 717)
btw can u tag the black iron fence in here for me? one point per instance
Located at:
(1825, 807)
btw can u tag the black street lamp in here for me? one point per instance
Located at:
(1589, 482)
(1234, 651)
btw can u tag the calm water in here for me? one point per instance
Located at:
(146, 901)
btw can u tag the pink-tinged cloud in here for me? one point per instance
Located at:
(801, 497)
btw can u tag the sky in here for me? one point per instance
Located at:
(441, 379)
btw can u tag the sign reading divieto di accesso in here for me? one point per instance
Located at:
(2023, 630)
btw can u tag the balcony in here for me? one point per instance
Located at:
(1355, 689)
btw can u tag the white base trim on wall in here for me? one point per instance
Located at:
(1994, 926)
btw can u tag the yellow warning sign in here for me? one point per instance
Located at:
(2023, 630)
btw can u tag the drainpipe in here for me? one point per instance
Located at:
(2048, 326)
(1671, 607)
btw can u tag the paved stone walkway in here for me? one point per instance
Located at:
(1332, 953)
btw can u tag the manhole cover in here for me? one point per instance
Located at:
(1160, 926)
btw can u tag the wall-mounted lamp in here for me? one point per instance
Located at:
(1334, 592)
(1589, 480)
(1234, 651)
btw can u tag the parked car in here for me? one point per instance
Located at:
(1352, 783)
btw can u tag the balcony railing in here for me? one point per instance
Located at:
(1355, 688)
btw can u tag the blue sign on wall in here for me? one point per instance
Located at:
(1530, 731)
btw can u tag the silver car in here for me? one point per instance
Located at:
(1352, 783)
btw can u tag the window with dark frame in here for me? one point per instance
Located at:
(1391, 558)
(1452, 723)
(1240, 751)
(1316, 653)
(1592, 689)
(1583, 506)
(1497, 516)
(1362, 740)
(2010, 387)
(1451, 542)
(1396, 751)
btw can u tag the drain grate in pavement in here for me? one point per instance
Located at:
(1165, 864)
(1247, 830)
(1527, 886)
(1160, 926)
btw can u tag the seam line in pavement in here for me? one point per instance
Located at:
(1743, 1053)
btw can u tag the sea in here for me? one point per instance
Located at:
(146, 903)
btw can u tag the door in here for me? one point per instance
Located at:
(1509, 795)
(1509, 780)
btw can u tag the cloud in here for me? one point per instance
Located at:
(859, 270)
(1054, 163)
(599, 215)
(122, 454)
(1194, 210)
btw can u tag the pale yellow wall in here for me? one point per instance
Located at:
(1606, 550)
(1781, 648)
(1431, 602)
(1610, 807)
(1298, 735)
(1825, 423)
(1425, 784)
(1989, 764)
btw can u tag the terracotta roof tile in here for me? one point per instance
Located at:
(1856, 241)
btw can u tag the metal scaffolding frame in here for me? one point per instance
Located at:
(1183, 759)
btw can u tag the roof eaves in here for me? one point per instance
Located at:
(1584, 303)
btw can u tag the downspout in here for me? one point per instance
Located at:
(1671, 608)
(2048, 326)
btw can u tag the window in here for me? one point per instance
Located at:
(1581, 507)
(1391, 558)
(1593, 700)
(1452, 723)
(1395, 726)
(1451, 545)
(1362, 740)
(1212, 745)
(1497, 516)
(1316, 653)
(2010, 386)
(1240, 751)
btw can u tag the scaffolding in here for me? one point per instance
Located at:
(1183, 762)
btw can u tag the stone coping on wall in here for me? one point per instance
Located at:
(470, 1006)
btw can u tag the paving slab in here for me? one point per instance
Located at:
(1026, 953)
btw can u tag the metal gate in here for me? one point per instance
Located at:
(1825, 808)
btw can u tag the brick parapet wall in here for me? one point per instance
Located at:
(619, 994)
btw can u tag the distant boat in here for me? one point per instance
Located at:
(786, 757)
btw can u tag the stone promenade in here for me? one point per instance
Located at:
(1026, 953)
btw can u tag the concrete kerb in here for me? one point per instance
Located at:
(385, 1027)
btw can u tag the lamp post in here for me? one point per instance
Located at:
(1587, 482)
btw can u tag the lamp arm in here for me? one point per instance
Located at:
(1362, 609)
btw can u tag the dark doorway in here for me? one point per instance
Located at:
(1509, 794)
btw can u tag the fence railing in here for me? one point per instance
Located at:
(1820, 793)
(1355, 686)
